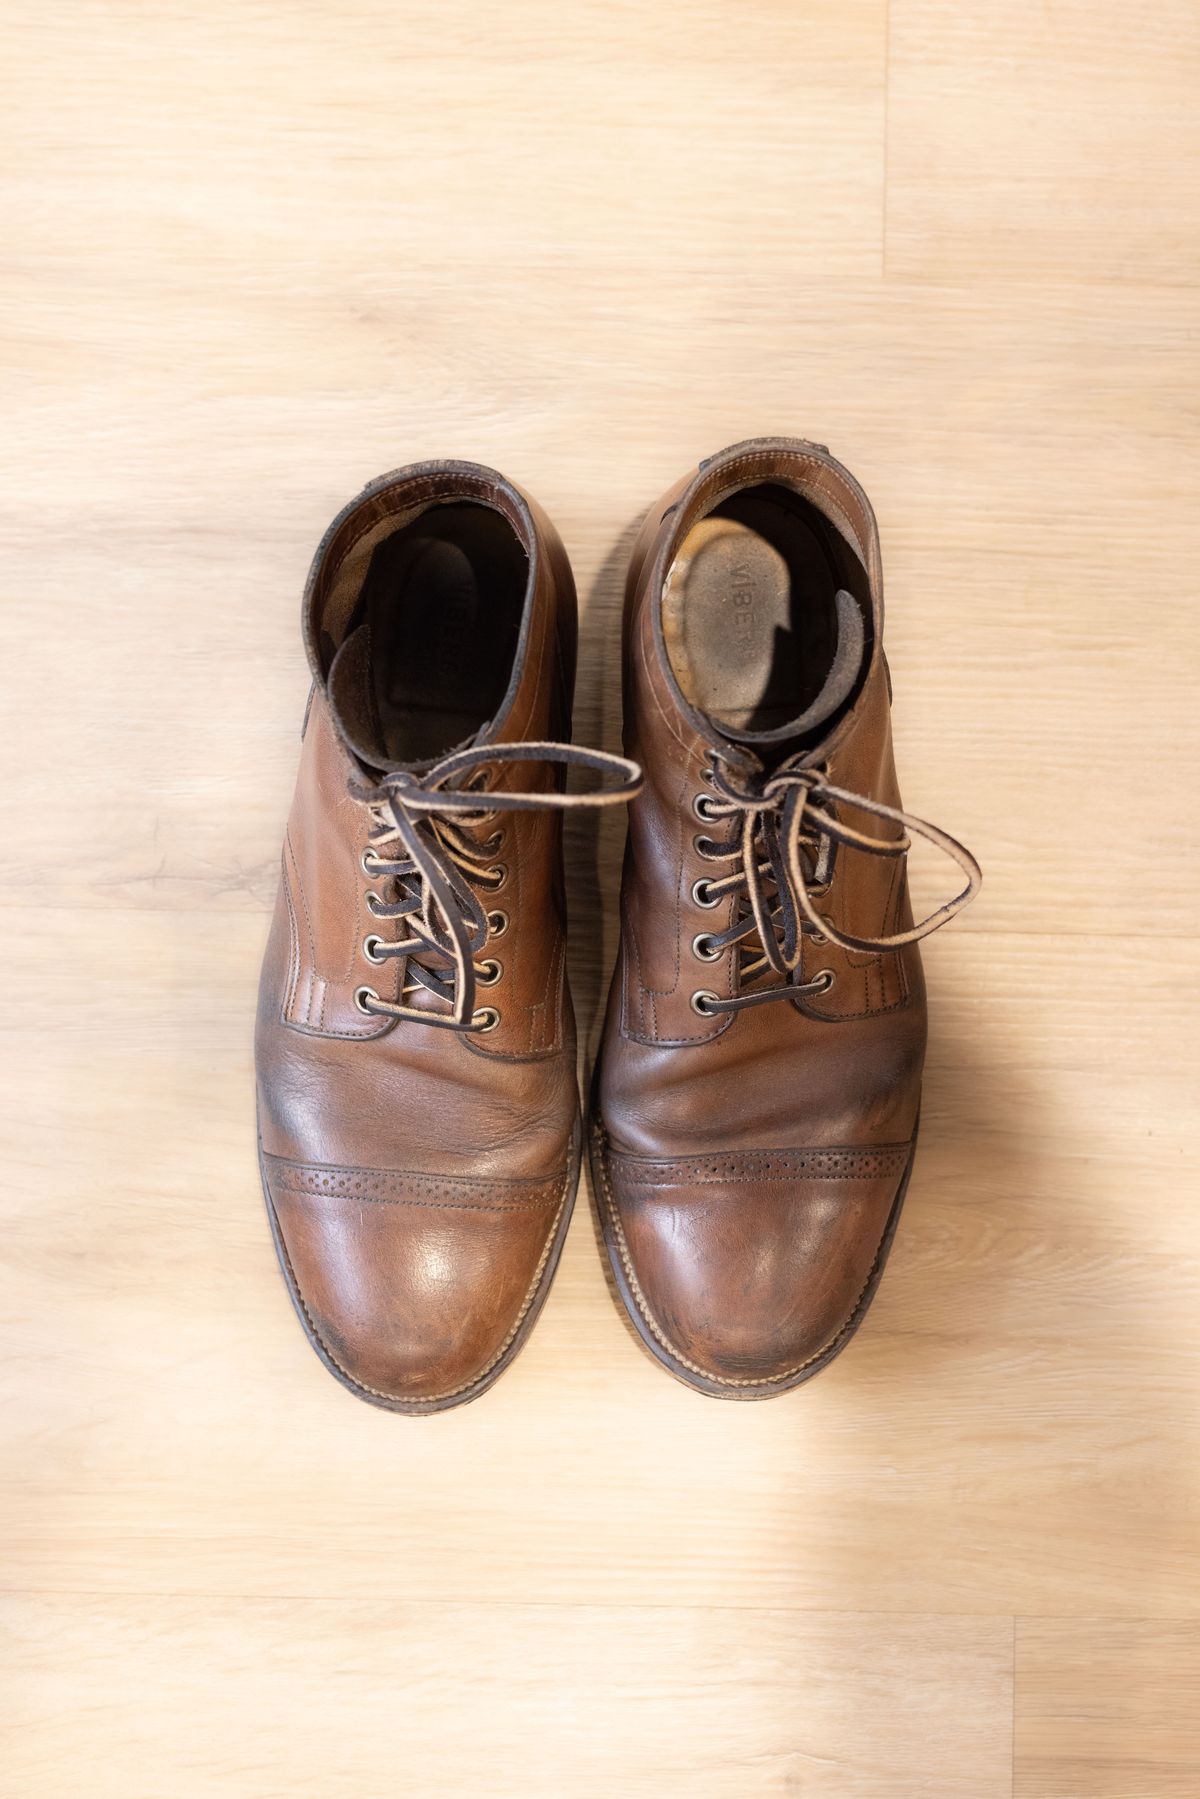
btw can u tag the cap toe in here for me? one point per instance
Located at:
(750, 1269)
(414, 1286)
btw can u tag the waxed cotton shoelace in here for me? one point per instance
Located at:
(786, 832)
(436, 869)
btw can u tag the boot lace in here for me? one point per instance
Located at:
(784, 836)
(420, 846)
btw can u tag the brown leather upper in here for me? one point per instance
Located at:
(419, 1177)
(748, 1162)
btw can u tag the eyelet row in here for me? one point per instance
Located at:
(704, 1002)
(487, 974)
(485, 1020)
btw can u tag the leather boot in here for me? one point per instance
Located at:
(755, 1107)
(418, 1111)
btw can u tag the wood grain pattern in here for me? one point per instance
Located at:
(773, 1698)
(259, 252)
(1110, 1712)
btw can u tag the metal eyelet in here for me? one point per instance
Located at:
(374, 902)
(497, 923)
(702, 806)
(497, 874)
(368, 856)
(361, 995)
(702, 1002)
(489, 972)
(706, 848)
(703, 896)
(704, 949)
(486, 1019)
(826, 977)
(371, 946)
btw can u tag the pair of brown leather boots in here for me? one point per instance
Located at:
(754, 1109)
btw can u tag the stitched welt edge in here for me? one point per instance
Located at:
(722, 1380)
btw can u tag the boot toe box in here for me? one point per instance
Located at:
(746, 1272)
(414, 1288)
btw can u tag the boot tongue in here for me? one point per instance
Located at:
(844, 670)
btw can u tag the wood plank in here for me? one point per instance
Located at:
(1045, 139)
(198, 1697)
(1107, 1709)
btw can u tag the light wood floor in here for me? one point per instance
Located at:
(255, 253)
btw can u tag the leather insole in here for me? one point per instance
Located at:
(750, 611)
